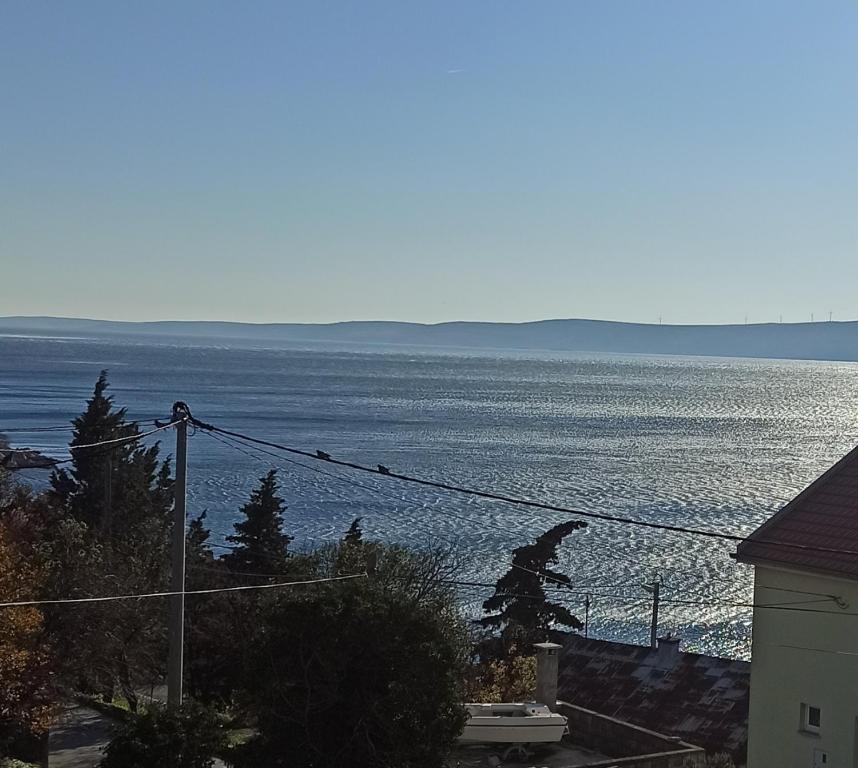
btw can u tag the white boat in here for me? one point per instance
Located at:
(512, 724)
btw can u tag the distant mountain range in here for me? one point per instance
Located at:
(809, 341)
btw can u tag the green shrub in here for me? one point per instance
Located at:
(189, 737)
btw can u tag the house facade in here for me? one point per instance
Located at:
(804, 671)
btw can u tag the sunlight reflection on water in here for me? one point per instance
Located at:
(712, 443)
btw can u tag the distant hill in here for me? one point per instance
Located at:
(809, 341)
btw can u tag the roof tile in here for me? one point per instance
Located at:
(823, 515)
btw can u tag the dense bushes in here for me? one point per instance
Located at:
(189, 737)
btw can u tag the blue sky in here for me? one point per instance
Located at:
(286, 161)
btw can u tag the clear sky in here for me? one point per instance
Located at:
(318, 161)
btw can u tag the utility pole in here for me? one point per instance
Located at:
(654, 589)
(587, 615)
(176, 626)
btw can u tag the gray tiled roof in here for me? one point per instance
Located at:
(701, 699)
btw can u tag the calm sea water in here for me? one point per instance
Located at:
(711, 443)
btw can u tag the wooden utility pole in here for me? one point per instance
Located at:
(654, 589)
(176, 626)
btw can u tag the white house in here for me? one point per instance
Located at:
(804, 663)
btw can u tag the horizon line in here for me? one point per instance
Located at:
(259, 323)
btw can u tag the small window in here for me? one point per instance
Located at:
(811, 718)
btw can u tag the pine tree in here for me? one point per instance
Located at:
(110, 534)
(123, 481)
(196, 542)
(519, 608)
(261, 545)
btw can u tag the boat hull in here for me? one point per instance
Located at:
(515, 723)
(526, 733)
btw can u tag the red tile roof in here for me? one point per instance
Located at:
(823, 515)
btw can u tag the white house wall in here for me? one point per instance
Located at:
(809, 658)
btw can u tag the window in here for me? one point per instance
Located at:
(811, 718)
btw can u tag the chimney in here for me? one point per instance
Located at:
(547, 660)
(667, 653)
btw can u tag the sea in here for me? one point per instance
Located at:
(711, 443)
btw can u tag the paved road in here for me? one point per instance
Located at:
(77, 738)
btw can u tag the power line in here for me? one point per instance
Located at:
(340, 478)
(790, 606)
(383, 471)
(29, 430)
(813, 650)
(237, 445)
(126, 439)
(109, 598)
(50, 463)
(246, 448)
(242, 447)
(243, 444)
(254, 453)
(62, 428)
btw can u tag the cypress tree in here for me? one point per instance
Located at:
(261, 545)
(354, 534)
(124, 481)
(519, 607)
(110, 535)
(196, 546)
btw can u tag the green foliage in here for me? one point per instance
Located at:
(499, 680)
(217, 625)
(197, 552)
(519, 607)
(364, 673)
(25, 664)
(261, 545)
(109, 534)
(190, 737)
(106, 485)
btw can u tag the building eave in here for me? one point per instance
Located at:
(792, 568)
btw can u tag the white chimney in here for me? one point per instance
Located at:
(668, 651)
(547, 665)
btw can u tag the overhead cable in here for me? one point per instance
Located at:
(383, 471)
(110, 598)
